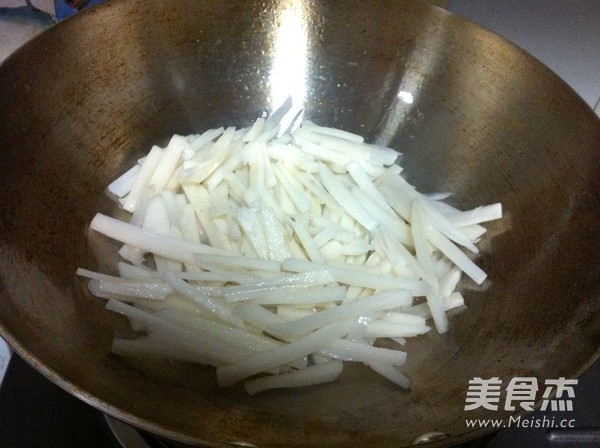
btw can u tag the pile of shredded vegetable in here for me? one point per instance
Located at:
(276, 256)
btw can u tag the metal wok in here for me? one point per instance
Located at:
(483, 120)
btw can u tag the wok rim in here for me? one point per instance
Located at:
(157, 429)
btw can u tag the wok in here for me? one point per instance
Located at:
(484, 120)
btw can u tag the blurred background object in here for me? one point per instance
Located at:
(66, 8)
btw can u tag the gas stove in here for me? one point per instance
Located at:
(36, 413)
(563, 35)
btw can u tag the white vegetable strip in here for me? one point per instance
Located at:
(149, 304)
(365, 182)
(320, 153)
(473, 231)
(252, 229)
(219, 152)
(378, 329)
(346, 311)
(156, 220)
(455, 254)
(332, 251)
(342, 235)
(316, 374)
(399, 254)
(256, 129)
(285, 202)
(309, 278)
(297, 194)
(219, 204)
(403, 319)
(397, 227)
(319, 192)
(477, 215)
(375, 154)
(219, 274)
(138, 188)
(436, 198)
(122, 185)
(333, 132)
(156, 290)
(398, 193)
(449, 281)
(307, 241)
(391, 373)
(343, 197)
(232, 261)
(339, 151)
(455, 300)
(441, 266)
(345, 350)
(400, 341)
(129, 271)
(236, 337)
(201, 140)
(277, 116)
(198, 197)
(440, 222)
(354, 248)
(257, 315)
(189, 225)
(214, 350)
(168, 163)
(324, 236)
(219, 309)
(350, 276)
(160, 346)
(276, 239)
(293, 313)
(150, 242)
(442, 207)
(256, 166)
(305, 295)
(290, 155)
(425, 258)
(100, 276)
(228, 375)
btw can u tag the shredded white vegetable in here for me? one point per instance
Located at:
(277, 254)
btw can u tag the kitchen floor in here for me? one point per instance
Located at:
(564, 35)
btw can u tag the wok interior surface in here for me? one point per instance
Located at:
(487, 122)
